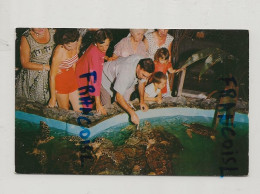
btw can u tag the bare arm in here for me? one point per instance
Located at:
(153, 99)
(171, 70)
(147, 98)
(209, 96)
(25, 57)
(170, 51)
(120, 99)
(159, 98)
(79, 44)
(146, 44)
(56, 60)
(78, 49)
(141, 87)
(114, 57)
(99, 107)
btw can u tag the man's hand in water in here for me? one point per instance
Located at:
(143, 107)
(135, 118)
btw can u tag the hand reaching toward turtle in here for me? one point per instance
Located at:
(135, 118)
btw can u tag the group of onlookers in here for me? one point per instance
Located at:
(94, 80)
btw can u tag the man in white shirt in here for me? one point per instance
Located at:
(121, 76)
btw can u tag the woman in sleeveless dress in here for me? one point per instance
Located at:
(63, 82)
(36, 49)
(156, 40)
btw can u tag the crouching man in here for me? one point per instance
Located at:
(119, 78)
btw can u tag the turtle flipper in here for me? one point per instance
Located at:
(189, 132)
(213, 137)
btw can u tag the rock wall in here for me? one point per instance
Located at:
(71, 116)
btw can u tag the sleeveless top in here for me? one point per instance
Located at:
(33, 84)
(153, 46)
(68, 63)
(40, 52)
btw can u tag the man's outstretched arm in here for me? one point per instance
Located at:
(141, 87)
(120, 99)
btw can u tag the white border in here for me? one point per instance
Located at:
(207, 14)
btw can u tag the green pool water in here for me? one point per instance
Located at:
(200, 155)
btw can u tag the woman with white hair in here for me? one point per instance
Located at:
(130, 45)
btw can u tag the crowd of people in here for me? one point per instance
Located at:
(53, 73)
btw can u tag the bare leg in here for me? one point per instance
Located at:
(189, 133)
(63, 100)
(216, 123)
(74, 99)
(227, 120)
(213, 138)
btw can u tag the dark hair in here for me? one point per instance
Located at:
(157, 76)
(227, 80)
(67, 35)
(161, 53)
(101, 35)
(147, 65)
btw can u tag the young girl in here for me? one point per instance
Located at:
(162, 63)
(63, 83)
(153, 91)
(92, 61)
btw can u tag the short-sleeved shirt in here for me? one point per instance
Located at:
(153, 47)
(150, 90)
(92, 60)
(124, 48)
(163, 68)
(121, 73)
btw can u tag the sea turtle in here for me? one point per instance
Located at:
(159, 159)
(140, 135)
(44, 136)
(102, 146)
(200, 130)
(75, 139)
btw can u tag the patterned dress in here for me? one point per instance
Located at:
(33, 84)
(153, 46)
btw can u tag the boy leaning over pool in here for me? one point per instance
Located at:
(153, 91)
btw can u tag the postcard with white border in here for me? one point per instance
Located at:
(111, 101)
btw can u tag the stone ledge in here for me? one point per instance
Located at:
(70, 116)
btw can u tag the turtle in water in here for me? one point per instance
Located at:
(75, 139)
(200, 129)
(102, 146)
(44, 136)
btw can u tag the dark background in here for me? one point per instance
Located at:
(185, 43)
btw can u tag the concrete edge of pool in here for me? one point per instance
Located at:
(123, 118)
